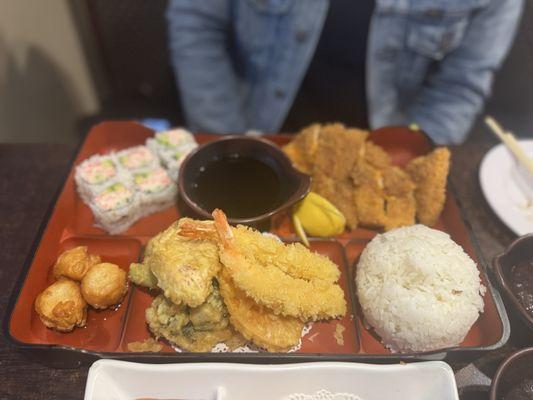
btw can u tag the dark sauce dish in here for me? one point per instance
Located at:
(514, 378)
(514, 273)
(249, 178)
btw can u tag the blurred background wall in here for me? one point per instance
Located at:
(45, 81)
(67, 64)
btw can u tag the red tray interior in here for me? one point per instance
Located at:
(71, 224)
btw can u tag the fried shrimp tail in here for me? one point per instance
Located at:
(197, 229)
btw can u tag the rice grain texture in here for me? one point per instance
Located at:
(418, 289)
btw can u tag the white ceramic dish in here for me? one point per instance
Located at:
(119, 380)
(497, 176)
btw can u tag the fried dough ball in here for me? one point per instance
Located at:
(75, 263)
(61, 306)
(104, 285)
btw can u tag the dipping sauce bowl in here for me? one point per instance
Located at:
(514, 378)
(249, 178)
(514, 273)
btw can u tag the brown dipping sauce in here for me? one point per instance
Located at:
(522, 391)
(242, 186)
(521, 279)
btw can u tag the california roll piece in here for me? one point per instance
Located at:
(94, 174)
(156, 190)
(115, 208)
(173, 160)
(165, 144)
(136, 158)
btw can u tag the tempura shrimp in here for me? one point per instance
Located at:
(288, 279)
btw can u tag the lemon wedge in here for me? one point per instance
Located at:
(316, 216)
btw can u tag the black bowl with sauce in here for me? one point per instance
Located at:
(249, 178)
(514, 273)
(514, 378)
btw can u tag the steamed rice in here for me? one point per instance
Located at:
(418, 289)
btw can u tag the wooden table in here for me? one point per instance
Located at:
(30, 175)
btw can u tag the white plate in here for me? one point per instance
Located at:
(110, 380)
(501, 191)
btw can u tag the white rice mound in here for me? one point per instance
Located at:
(418, 289)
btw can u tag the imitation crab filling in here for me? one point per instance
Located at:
(153, 181)
(98, 171)
(115, 196)
(175, 138)
(137, 158)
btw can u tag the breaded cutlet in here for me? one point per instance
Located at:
(340, 194)
(301, 151)
(400, 211)
(370, 205)
(338, 149)
(397, 182)
(363, 174)
(376, 156)
(430, 173)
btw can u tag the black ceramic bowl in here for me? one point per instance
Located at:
(293, 185)
(520, 251)
(514, 377)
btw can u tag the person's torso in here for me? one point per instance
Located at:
(274, 42)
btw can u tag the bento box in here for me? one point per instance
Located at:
(69, 223)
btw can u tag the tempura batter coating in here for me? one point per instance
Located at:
(184, 267)
(61, 306)
(75, 263)
(290, 281)
(142, 275)
(257, 323)
(430, 174)
(104, 285)
(188, 328)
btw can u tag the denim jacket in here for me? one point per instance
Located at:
(239, 63)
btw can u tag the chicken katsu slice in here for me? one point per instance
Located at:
(340, 194)
(397, 182)
(400, 209)
(370, 204)
(256, 322)
(184, 267)
(301, 150)
(430, 174)
(338, 149)
(364, 174)
(376, 156)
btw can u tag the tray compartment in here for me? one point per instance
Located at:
(487, 331)
(321, 338)
(104, 327)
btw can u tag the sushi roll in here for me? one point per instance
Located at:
(156, 190)
(136, 158)
(173, 160)
(164, 144)
(94, 174)
(115, 208)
